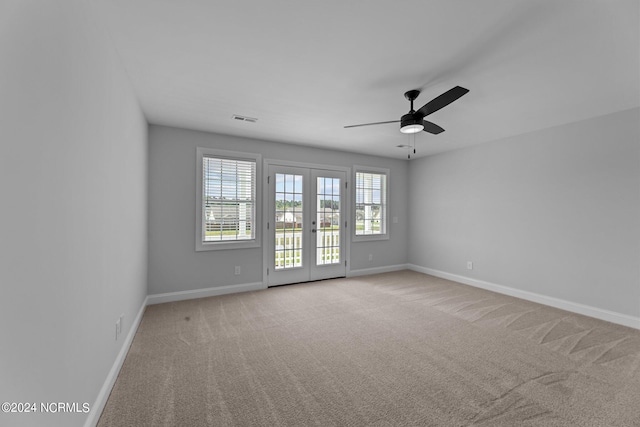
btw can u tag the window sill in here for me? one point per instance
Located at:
(370, 237)
(223, 246)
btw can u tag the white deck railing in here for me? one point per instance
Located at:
(288, 248)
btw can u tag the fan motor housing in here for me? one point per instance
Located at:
(409, 119)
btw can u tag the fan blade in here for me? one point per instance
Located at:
(369, 124)
(432, 127)
(442, 101)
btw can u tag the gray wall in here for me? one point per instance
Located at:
(73, 179)
(174, 265)
(554, 212)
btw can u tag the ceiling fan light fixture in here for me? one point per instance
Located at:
(412, 129)
(410, 124)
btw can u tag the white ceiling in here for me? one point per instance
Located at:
(305, 69)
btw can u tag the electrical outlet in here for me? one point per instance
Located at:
(469, 265)
(370, 257)
(238, 270)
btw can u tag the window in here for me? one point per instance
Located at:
(227, 205)
(371, 203)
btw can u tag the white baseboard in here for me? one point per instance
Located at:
(598, 313)
(202, 293)
(376, 270)
(105, 391)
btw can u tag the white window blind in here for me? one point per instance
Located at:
(371, 203)
(228, 199)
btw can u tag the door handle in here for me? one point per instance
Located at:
(313, 230)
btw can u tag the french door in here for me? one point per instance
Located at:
(306, 224)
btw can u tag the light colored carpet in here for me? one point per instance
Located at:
(390, 349)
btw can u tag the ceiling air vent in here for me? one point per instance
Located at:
(244, 118)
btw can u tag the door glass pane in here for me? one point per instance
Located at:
(328, 221)
(288, 228)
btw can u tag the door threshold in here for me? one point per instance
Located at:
(307, 281)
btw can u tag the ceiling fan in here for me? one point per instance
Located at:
(413, 121)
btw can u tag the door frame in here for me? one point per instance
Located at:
(266, 214)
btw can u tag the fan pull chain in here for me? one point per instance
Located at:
(411, 144)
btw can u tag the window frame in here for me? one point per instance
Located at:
(201, 245)
(385, 216)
